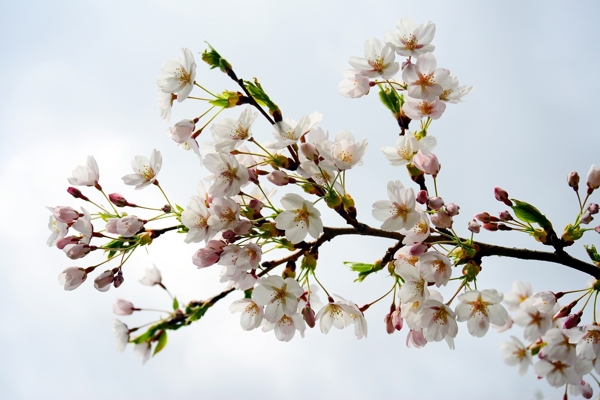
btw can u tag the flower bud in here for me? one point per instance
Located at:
(502, 195)
(422, 197)
(65, 214)
(503, 227)
(229, 235)
(441, 219)
(310, 152)
(278, 178)
(61, 243)
(76, 193)
(72, 277)
(118, 200)
(573, 180)
(103, 281)
(242, 227)
(452, 209)
(389, 325)
(474, 226)
(597, 229)
(427, 162)
(123, 307)
(586, 218)
(417, 249)
(253, 175)
(593, 208)
(435, 203)
(255, 205)
(483, 217)
(182, 131)
(397, 320)
(586, 390)
(75, 251)
(118, 281)
(209, 255)
(572, 320)
(308, 314)
(593, 178)
(564, 311)
(492, 227)
(505, 216)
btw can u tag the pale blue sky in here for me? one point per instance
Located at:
(78, 79)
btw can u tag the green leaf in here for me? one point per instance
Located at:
(162, 342)
(256, 90)
(528, 213)
(391, 99)
(198, 313)
(214, 59)
(359, 267)
(592, 252)
(175, 304)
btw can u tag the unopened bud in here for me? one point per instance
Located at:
(586, 218)
(566, 310)
(418, 249)
(474, 226)
(76, 193)
(505, 216)
(502, 195)
(573, 180)
(422, 197)
(278, 178)
(483, 217)
(503, 227)
(389, 325)
(255, 205)
(441, 219)
(310, 152)
(492, 227)
(452, 209)
(103, 281)
(118, 281)
(435, 203)
(593, 208)
(308, 314)
(572, 320)
(119, 200)
(253, 175)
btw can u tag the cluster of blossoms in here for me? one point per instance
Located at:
(236, 219)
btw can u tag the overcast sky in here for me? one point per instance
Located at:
(78, 79)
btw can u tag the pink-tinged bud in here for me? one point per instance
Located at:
(593, 208)
(573, 180)
(474, 226)
(65, 214)
(103, 281)
(597, 229)
(427, 162)
(118, 281)
(502, 227)
(255, 205)
(586, 218)
(228, 235)
(119, 200)
(72, 277)
(75, 251)
(441, 219)
(452, 209)
(253, 175)
(493, 227)
(586, 390)
(209, 255)
(123, 307)
(566, 310)
(76, 193)
(422, 197)
(242, 227)
(502, 195)
(182, 131)
(417, 249)
(127, 226)
(572, 320)
(389, 325)
(593, 178)
(60, 244)
(483, 217)
(435, 203)
(308, 314)
(397, 320)
(310, 152)
(505, 216)
(278, 178)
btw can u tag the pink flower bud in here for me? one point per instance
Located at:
(502, 195)
(417, 249)
(278, 178)
(593, 178)
(255, 205)
(72, 277)
(593, 208)
(228, 235)
(123, 307)
(435, 203)
(586, 390)
(242, 227)
(572, 320)
(182, 131)
(452, 209)
(483, 217)
(441, 219)
(67, 240)
(76, 193)
(502, 227)
(397, 320)
(474, 226)
(308, 314)
(65, 214)
(422, 197)
(427, 162)
(490, 227)
(573, 180)
(586, 218)
(389, 325)
(119, 200)
(597, 229)
(103, 281)
(505, 216)
(209, 255)
(564, 311)
(253, 175)
(310, 152)
(75, 251)
(118, 281)
(127, 226)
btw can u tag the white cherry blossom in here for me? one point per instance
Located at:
(535, 322)
(85, 175)
(195, 217)
(414, 288)
(59, 230)
(72, 277)
(145, 170)
(288, 131)
(557, 373)
(225, 213)
(229, 174)
(345, 152)
(280, 296)
(419, 232)
(435, 267)
(438, 322)
(121, 333)
(252, 313)
(152, 277)
(165, 103)
(479, 308)
(354, 85)
(229, 134)
(399, 212)
(301, 217)
(520, 292)
(178, 76)
(285, 327)
(419, 109)
(378, 62)
(425, 81)
(516, 353)
(410, 39)
(143, 350)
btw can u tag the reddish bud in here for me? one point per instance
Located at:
(119, 200)
(593, 208)
(505, 216)
(418, 249)
(389, 325)
(474, 226)
(76, 193)
(503, 227)
(586, 218)
(502, 195)
(483, 217)
(573, 180)
(435, 203)
(564, 311)
(310, 152)
(572, 320)
(452, 209)
(490, 227)
(422, 197)
(308, 314)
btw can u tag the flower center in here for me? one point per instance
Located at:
(409, 41)
(425, 108)
(401, 211)
(241, 132)
(182, 75)
(377, 64)
(301, 217)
